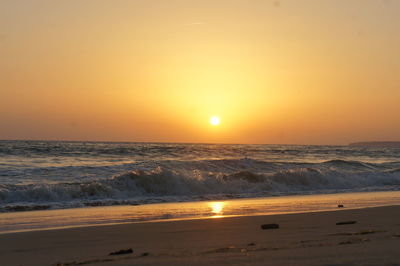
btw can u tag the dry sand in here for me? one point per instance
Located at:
(302, 239)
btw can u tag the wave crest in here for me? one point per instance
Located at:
(203, 180)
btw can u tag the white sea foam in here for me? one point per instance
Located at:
(202, 180)
(42, 175)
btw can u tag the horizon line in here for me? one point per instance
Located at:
(176, 142)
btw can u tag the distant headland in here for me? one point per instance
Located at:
(391, 144)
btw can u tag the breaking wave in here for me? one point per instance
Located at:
(204, 180)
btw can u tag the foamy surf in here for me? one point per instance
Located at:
(175, 181)
(37, 175)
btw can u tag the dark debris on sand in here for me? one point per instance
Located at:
(269, 226)
(346, 222)
(121, 252)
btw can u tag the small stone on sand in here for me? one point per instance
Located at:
(346, 222)
(121, 252)
(269, 226)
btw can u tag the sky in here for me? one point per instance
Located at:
(274, 72)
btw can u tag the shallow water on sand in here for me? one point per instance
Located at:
(56, 219)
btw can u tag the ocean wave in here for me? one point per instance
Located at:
(203, 179)
(350, 164)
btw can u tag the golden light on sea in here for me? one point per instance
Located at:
(217, 208)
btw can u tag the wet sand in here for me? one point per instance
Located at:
(302, 239)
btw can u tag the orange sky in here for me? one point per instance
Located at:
(299, 72)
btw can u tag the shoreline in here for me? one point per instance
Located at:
(312, 238)
(161, 212)
(191, 219)
(123, 214)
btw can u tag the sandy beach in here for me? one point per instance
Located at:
(302, 239)
(187, 132)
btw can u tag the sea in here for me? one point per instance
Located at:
(64, 175)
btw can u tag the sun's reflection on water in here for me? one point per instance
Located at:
(217, 209)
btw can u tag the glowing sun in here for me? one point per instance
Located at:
(215, 121)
